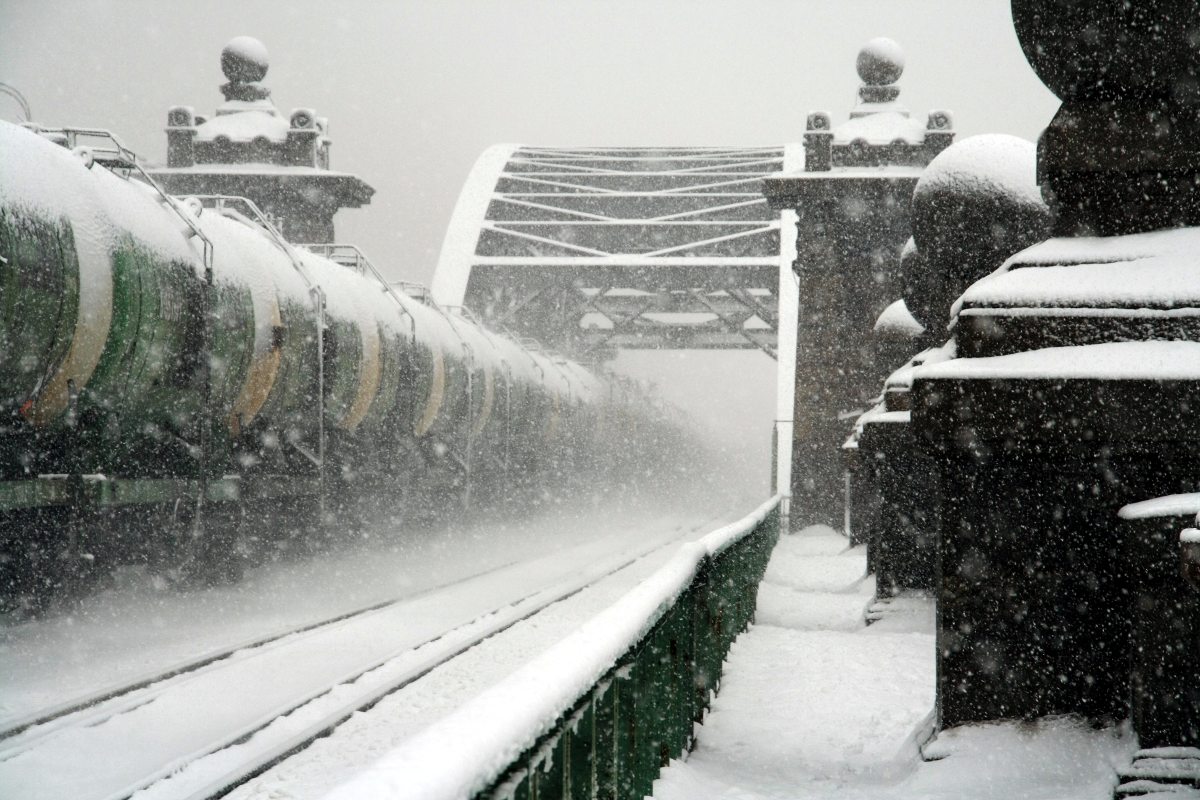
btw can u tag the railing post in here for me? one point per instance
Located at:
(604, 766)
(625, 731)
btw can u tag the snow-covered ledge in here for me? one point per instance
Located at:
(467, 751)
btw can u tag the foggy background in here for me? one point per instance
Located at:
(415, 90)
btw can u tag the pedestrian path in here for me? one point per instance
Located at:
(815, 703)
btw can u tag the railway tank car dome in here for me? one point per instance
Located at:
(53, 233)
(75, 232)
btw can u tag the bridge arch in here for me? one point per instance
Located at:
(593, 250)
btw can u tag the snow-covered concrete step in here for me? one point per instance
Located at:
(817, 540)
(785, 607)
(1053, 758)
(1154, 790)
(791, 566)
(909, 604)
(1162, 772)
(815, 581)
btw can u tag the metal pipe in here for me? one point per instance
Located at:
(319, 301)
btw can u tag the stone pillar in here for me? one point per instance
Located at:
(1076, 392)
(181, 136)
(248, 149)
(852, 202)
(1120, 155)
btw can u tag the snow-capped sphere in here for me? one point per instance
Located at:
(910, 257)
(880, 62)
(912, 268)
(976, 204)
(897, 335)
(981, 192)
(244, 59)
(897, 322)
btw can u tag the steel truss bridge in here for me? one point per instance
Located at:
(594, 250)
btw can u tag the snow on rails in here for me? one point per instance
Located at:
(265, 700)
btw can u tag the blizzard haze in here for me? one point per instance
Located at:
(415, 91)
(729, 398)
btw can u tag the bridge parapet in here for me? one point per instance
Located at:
(1067, 427)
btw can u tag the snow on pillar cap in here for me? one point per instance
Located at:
(979, 192)
(880, 62)
(976, 204)
(244, 60)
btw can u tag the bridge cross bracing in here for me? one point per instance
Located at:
(593, 250)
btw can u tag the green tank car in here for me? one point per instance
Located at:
(183, 388)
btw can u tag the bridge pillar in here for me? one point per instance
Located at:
(249, 149)
(1075, 399)
(852, 204)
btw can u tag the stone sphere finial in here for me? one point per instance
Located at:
(244, 60)
(880, 62)
(976, 204)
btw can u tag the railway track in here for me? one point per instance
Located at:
(232, 704)
(101, 703)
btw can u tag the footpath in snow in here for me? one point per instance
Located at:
(816, 704)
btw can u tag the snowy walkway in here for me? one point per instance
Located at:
(814, 704)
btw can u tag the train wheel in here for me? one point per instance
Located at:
(45, 560)
(210, 551)
(26, 584)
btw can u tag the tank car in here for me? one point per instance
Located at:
(173, 373)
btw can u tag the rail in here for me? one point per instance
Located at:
(602, 712)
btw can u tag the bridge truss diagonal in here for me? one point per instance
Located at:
(594, 250)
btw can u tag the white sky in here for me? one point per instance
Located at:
(416, 90)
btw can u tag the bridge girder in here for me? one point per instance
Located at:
(595, 250)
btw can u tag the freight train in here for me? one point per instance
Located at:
(181, 386)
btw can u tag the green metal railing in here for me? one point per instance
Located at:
(555, 730)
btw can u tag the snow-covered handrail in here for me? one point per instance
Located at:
(474, 749)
